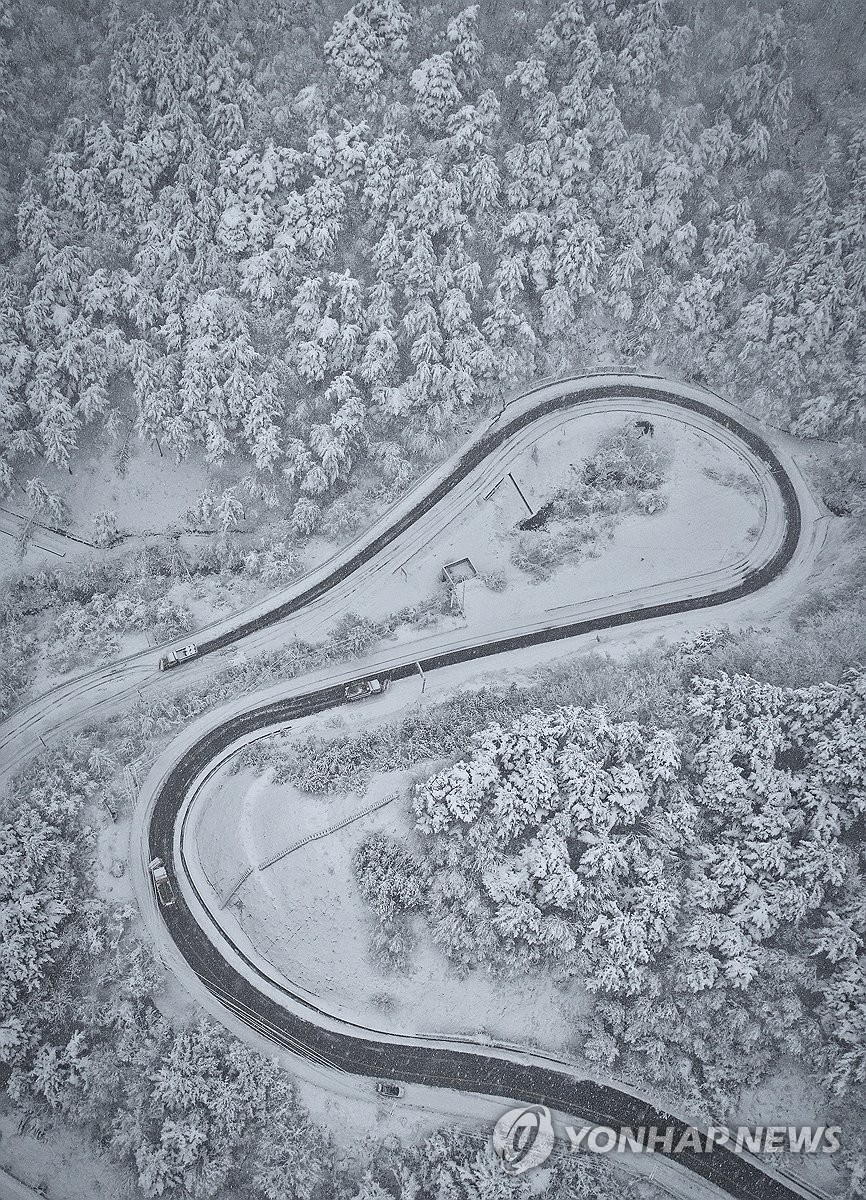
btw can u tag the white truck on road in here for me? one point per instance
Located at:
(176, 658)
(360, 689)
(162, 883)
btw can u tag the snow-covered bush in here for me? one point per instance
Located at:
(273, 562)
(841, 479)
(90, 632)
(389, 878)
(104, 527)
(41, 845)
(353, 635)
(392, 883)
(306, 517)
(18, 651)
(495, 581)
(625, 473)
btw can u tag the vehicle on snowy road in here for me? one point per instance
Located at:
(360, 689)
(161, 882)
(392, 1090)
(176, 658)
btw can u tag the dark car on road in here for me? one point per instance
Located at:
(392, 1090)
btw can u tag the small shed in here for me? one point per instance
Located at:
(458, 572)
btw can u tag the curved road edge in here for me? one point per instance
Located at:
(60, 707)
(463, 1069)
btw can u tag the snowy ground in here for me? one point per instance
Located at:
(305, 917)
(151, 496)
(243, 820)
(61, 1166)
(707, 524)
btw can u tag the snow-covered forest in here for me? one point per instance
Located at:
(317, 237)
(703, 860)
(705, 885)
(178, 1110)
(306, 246)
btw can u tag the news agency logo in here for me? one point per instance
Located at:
(523, 1138)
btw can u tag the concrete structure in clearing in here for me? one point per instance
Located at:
(459, 571)
(456, 574)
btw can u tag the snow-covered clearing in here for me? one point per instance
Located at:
(304, 915)
(150, 496)
(707, 524)
(59, 1166)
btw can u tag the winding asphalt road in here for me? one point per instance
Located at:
(752, 581)
(299, 1025)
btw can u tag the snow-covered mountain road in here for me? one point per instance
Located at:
(310, 606)
(244, 986)
(776, 565)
